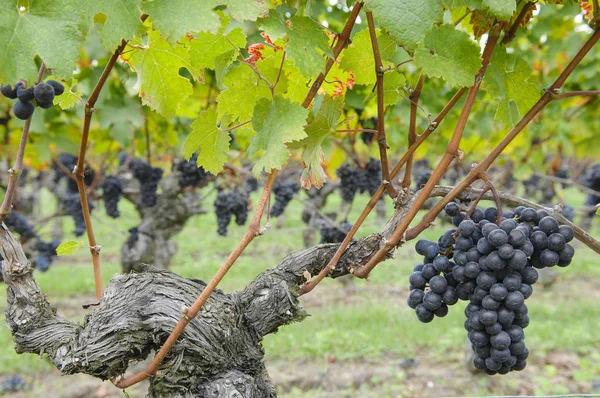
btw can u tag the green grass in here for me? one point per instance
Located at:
(370, 322)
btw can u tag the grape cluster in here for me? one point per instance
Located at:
(13, 384)
(112, 188)
(592, 181)
(17, 223)
(331, 234)
(46, 252)
(284, 191)
(227, 205)
(69, 161)
(349, 181)
(353, 179)
(42, 93)
(421, 173)
(371, 177)
(73, 208)
(493, 266)
(192, 175)
(148, 177)
(366, 136)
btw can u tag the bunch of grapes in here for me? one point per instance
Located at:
(42, 93)
(421, 173)
(46, 252)
(350, 177)
(331, 234)
(17, 223)
(69, 161)
(13, 384)
(366, 136)
(228, 205)
(73, 208)
(148, 177)
(192, 175)
(284, 191)
(370, 179)
(493, 266)
(592, 181)
(112, 188)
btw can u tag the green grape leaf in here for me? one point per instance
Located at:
(392, 81)
(244, 89)
(122, 115)
(407, 20)
(69, 98)
(208, 141)
(246, 10)
(502, 9)
(208, 46)
(276, 123)
(306, 44)
(222, 62)
(120, 18)
(67, 248)
(49, 29)
(358, 57)
(455, 56)
(174, 18)
(507, 81)
(471, 4)
(323, 124)
(157, 66)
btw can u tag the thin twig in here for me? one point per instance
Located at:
(381, 139)
(357, 131)
(190, 313)
(412, 127)
(237, 125)
(558, 96)
(512, 30)
(80, 168)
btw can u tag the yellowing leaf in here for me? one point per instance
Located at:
(157, 66)
(67, 248)
(306, 44)
(455, 56)
(324, 124)
(244, 90)
(358, 57)
(276, 123)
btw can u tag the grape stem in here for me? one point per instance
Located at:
(581, 187)
(558, 96)
(471, 210)
(190, 313)
(499, 216)
(381, 139)
(513, 201)
(310, 285)
(412, 127)
(15, 171)
(64, 169)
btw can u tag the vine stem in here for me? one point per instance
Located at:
(190, 313)
(381, 139)
(412, 128)
(575, 94)
(480, 168)
(510, 33)
(451, 152)
(342, 42)
(15, 171)
(80, 167)
(581, 187)
(309, 286)
(492, 188)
